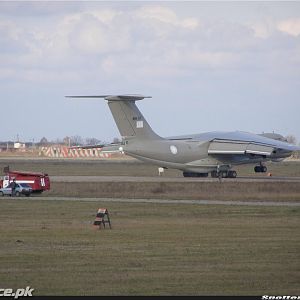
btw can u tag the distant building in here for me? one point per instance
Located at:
(19, 145)
(6, 146)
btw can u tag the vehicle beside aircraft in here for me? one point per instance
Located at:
(21, 189)
(39, 182)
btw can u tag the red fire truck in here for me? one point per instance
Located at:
(38, 181)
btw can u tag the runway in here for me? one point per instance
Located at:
(165, 201)
(170, 179)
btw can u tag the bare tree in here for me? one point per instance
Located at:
(116, 140)
(44, 141)
(67, 141)
(291, 139)
(92, 141)
(76, 140)
(58, 141)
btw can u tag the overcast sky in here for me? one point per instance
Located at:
(208, 66)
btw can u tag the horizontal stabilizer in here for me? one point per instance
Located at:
(128, 97)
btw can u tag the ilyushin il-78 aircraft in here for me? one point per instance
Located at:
(195, 155)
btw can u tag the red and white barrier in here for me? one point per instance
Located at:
(66, 152)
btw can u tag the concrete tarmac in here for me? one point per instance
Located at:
(169, 179)
(163, 201)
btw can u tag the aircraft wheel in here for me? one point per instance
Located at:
(224, 174)
(260, 169)
(257, 169)
(232, 174)
(214, 174)
(192, 174)
(202, 174)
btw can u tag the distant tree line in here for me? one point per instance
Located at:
(75, 140)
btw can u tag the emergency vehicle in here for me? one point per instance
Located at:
(38, 181)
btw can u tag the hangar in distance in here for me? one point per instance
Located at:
(196, 155)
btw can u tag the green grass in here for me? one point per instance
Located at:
(153, 249)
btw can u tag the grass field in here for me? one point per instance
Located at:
(153, 249)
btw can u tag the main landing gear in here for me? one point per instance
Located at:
(193, 174)
(224, 174)
(260, 169)
(214, 174)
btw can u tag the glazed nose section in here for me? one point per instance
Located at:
(280, 154)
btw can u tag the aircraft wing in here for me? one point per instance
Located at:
(238, 142)
(236, 147)
(112, 148)
(87, 146)
(106, 148)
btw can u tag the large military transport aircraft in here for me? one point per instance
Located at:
(196, 155)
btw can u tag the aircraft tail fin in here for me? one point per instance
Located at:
(129, 119)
